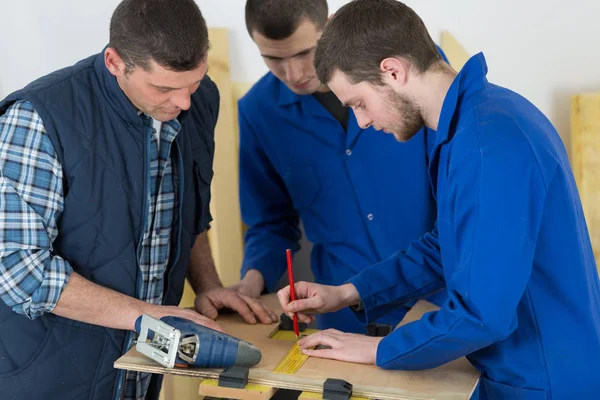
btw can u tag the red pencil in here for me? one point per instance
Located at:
(288, 253)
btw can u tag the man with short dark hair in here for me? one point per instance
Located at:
(511, 243)
(303, 156)
(105, 172)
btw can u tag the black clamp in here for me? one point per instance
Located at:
(336, 389)
(234, 377)
(287, 324)
(379, 330)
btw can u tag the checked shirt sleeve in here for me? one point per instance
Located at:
(31, 201)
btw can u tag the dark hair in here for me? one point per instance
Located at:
(173, 33)
(279, 19)
(364, 32)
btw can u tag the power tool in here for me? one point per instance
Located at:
(174, 341)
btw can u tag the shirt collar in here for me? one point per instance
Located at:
(470, 79)
(286, 96)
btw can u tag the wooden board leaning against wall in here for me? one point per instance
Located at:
(585, 159)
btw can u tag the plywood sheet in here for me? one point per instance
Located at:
(455, 380)
(455, 52)
(585, 158)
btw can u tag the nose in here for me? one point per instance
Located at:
(182, 99)
(293, 71)
(363, 121)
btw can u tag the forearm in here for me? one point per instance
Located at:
(405, 276)
(202, 273)
(85, 301)
(348, 295)
(254, 280)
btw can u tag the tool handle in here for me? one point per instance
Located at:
(216, 349)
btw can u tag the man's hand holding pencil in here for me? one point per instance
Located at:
(312, 298)
(304, 299)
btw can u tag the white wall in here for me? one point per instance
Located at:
(545, 49)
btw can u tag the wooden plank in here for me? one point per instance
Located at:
(456, 54)
(225, 234)
(585, 159)
(239, 90)
(455, 380)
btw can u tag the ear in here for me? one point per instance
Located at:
(394, 70)
(114, 63)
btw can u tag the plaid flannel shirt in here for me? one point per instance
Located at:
(31, 202)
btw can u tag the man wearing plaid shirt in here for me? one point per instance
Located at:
(105, 171)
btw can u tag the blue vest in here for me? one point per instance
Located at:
(102, 144)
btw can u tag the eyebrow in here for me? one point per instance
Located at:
(349, 102)
(305, 51)
(171, 88)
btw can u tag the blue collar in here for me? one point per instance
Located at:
(311, 107)
(286, 96)
(469, 80)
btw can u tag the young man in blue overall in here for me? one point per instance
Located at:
(105, 172)
(510, 244)
(303, 156)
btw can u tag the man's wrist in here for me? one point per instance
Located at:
(349, 295)
(207, 287)
(254, 278)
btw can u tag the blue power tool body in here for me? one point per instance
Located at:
(174, 341)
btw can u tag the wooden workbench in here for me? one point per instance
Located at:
(455, 380)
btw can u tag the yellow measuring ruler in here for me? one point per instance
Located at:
(294, 359)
